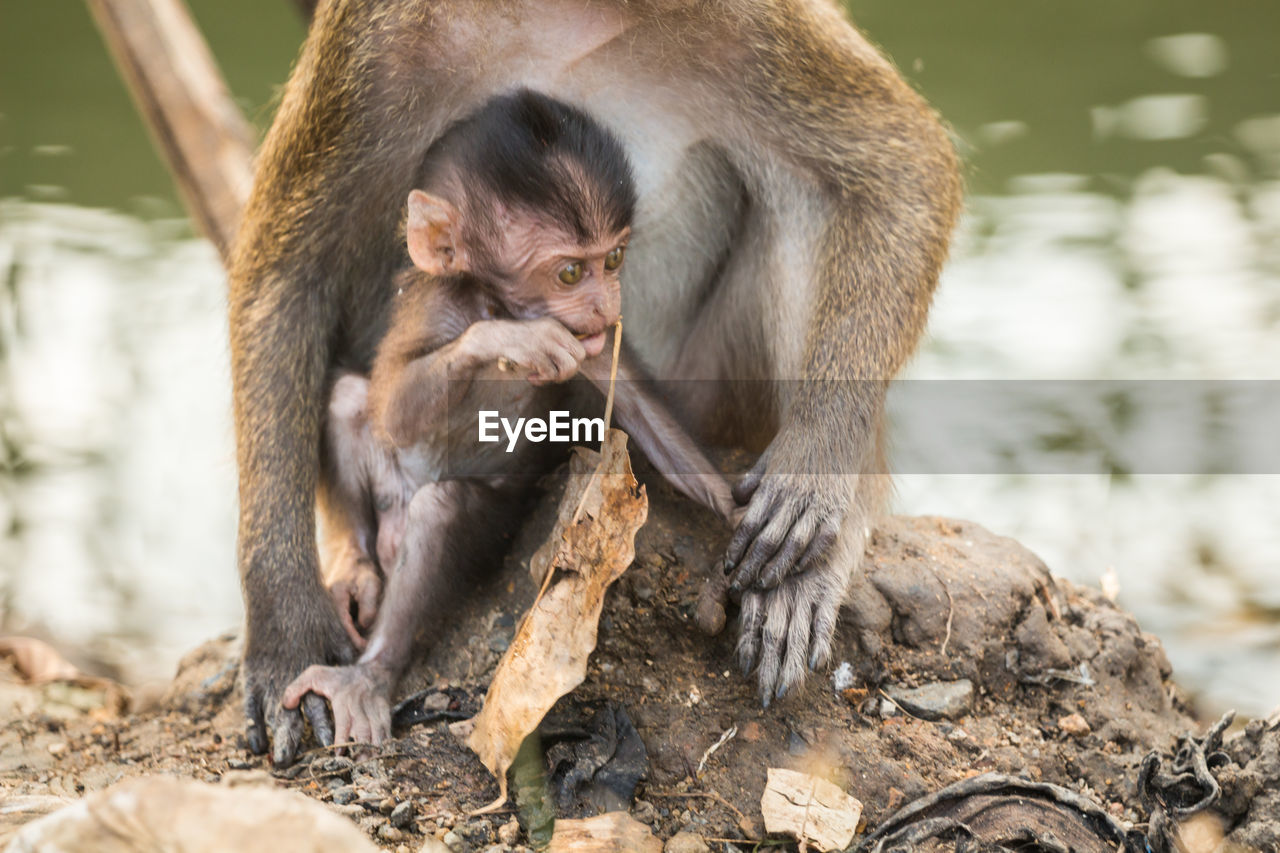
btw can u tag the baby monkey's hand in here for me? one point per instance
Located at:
(355, 586)
(544, 350)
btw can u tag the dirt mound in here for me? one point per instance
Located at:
(958, 654)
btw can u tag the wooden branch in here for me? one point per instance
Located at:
(176, 85)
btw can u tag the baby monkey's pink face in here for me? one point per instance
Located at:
(539, 268)
(545, 270)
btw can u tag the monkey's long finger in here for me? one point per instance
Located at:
(341, 722)
(772, 643)
(312, 679)
(824, 630)
(361, 729)
(381, 723)
(566, 364)
(799, 625)
(367, 602)
(349, 625)
(819, 549)
(745, 488)
(317, 711)
(767, 543)
(750, 621)
(758, 513)
(784, 560)
(286, 736)
(255, 732)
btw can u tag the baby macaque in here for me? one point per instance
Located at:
(517, 237)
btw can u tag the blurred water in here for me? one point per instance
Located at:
(1123, 223)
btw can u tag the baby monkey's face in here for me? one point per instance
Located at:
(534, 264)
(546, 270)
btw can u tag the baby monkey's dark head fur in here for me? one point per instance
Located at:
(541, 156)
(533, 200)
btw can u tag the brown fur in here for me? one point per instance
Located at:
(850, 190)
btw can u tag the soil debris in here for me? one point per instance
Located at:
(1015, 631)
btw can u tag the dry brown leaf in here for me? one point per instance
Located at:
(812, 810)
(591, 545)
(36, 661)
(605, 833)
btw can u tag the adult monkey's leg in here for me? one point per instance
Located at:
(290, 275)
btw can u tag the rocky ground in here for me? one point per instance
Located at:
(959, 654)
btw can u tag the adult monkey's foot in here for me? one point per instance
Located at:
(360, 696)
(269, 667)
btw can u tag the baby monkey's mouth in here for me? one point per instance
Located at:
(593, 342)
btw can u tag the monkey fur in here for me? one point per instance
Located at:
(796, 200)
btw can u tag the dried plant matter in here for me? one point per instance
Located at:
(813, 810)
(591, 545)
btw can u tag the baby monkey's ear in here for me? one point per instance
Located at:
(434, 235)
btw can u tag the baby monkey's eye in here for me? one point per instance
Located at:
(613, 260)
(572, 273)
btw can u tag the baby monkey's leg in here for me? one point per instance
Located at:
(456, 532)
(365, 504)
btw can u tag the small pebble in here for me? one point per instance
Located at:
(1074, 725)
(476, 832)
(338, 765)
(432, 845)
(344, 795)
(402, 815)
(509, 832)
(453, 841)
(237, 764)
(644, 812)
(436, 702)
(57, 748)
(387, 806)
(387, 832)
(686, 842)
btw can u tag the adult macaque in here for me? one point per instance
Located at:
(795, 201)
(517, 237)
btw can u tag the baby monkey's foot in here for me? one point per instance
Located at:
(358, 694)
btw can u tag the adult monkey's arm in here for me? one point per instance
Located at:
(885, 180)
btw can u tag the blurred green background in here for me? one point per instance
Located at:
(1123, 222)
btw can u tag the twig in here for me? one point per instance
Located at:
(726, 736)
(951, 612)
(880, 690)
(613, 376)
(608, 417)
